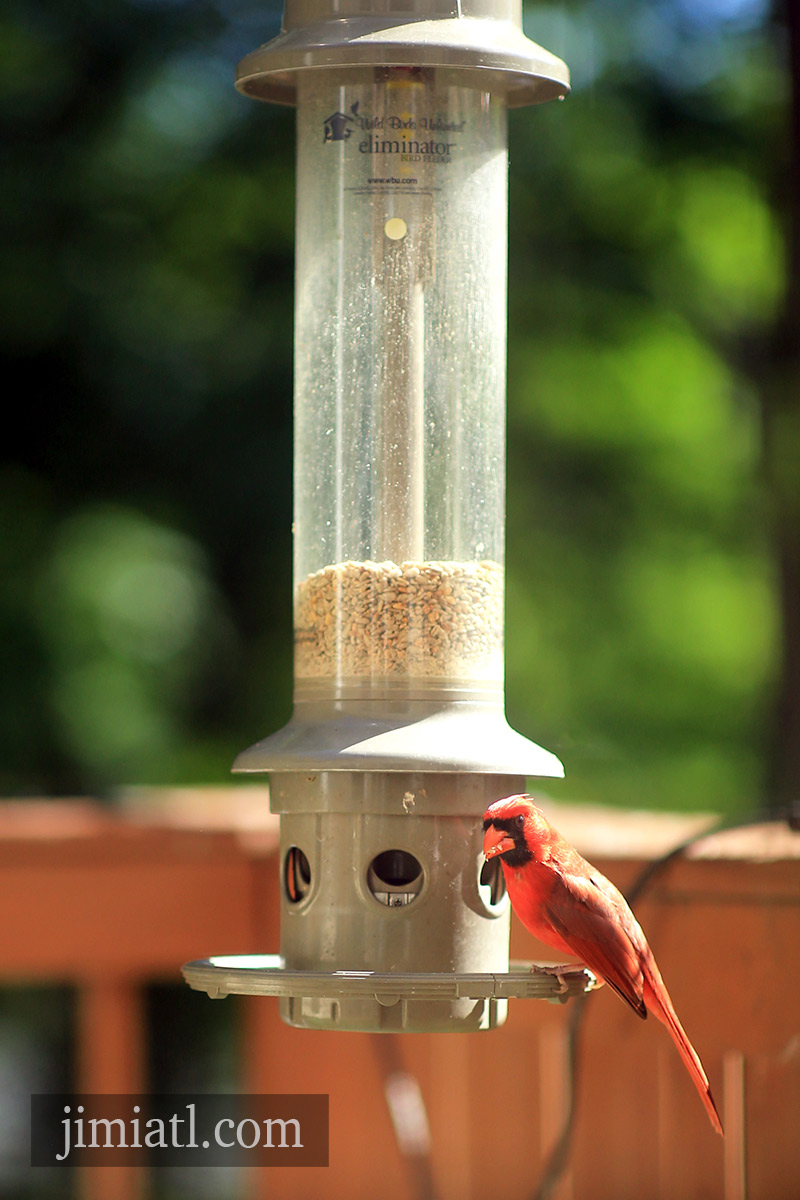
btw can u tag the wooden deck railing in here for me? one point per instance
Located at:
(110, 901)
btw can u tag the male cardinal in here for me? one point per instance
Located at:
(565, 902)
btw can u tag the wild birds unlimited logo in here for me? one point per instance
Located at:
(413, 138)
(337, 126)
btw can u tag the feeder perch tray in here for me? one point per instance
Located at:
(265, 975)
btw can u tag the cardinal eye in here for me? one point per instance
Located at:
(520, 820)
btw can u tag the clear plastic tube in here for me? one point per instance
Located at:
(399, 383)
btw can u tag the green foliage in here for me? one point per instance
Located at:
(642, 610)
(146, 498)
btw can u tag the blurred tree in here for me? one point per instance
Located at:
(642, 600)
(149, 266)
(781, 396)
(147, 496)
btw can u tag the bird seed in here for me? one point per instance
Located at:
(378, 619)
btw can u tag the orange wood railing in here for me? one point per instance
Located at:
(111, 900)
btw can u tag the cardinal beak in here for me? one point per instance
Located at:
(496, 841)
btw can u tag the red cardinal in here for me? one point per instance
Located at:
(565, 902)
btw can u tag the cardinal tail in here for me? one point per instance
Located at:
(656, 998)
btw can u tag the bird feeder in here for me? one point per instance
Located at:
(391, 919)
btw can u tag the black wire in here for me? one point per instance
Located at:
(558, 1160)
(386, 1048)
(559, 1157)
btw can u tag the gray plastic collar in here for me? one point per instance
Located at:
(481, 40)
(418, 735)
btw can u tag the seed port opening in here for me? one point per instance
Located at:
(395, 878)
(491, 882)
(296, 875)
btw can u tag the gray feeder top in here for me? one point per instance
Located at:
(482, 40)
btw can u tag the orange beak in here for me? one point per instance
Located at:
(496, 841)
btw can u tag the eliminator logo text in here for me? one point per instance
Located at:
(413, 139)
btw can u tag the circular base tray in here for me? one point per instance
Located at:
(265, 975)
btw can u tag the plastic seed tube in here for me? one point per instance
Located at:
(399, 385)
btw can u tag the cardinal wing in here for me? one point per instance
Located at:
(591, 916)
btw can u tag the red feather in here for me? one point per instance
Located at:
(563, 901)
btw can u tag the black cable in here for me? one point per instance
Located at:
(558, 1159)
(408, 1114)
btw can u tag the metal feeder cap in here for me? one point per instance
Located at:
(480, 39)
